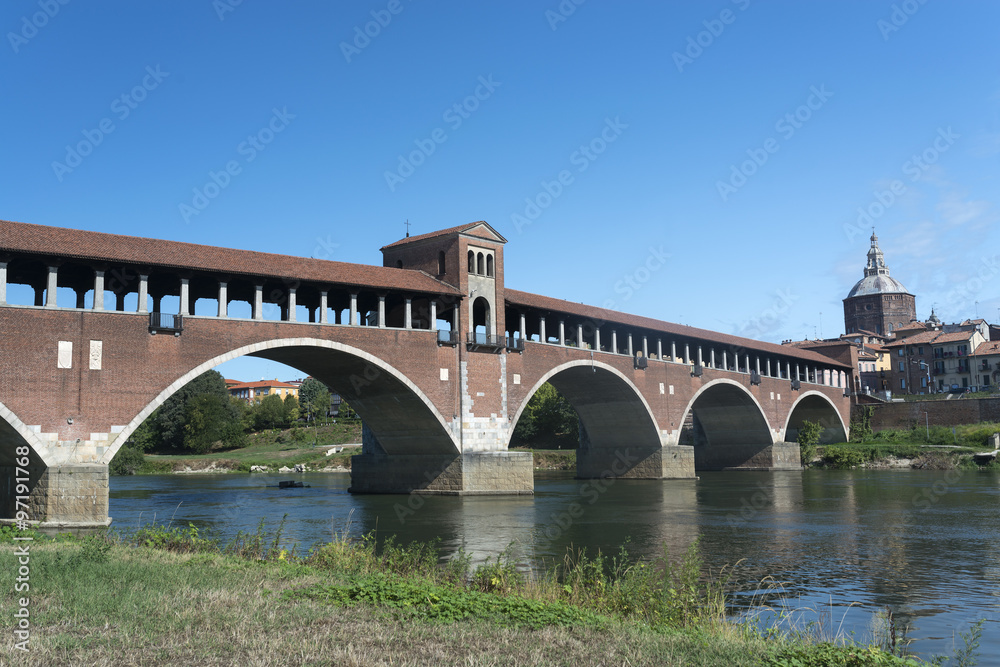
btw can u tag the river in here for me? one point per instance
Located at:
(841, 544)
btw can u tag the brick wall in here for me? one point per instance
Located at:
(939, 413)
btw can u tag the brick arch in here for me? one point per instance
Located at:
(729, 425)
(816, 406)
(611, 408)
(14, 433)
(400, 416)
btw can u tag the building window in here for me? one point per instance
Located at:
(902, 366)
(489, 265)
(900, 352)
(920, 350)
(399, 263)
(441, 263)
(472, 262)
(480, 264)
(902, 383)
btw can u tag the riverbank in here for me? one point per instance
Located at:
(848, 455)
(170, 597)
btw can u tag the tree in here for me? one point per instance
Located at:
(171, 417)
(209, 420)
(270, 413)
(292, 410)
(548, 421)
(314, 398)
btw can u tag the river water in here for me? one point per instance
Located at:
(838, 545)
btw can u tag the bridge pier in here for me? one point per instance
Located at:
(470, 474)
(667, 462)
(71, 496)
(777, 456)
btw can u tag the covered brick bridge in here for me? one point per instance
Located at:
(436, 356)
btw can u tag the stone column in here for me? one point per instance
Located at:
(579, 336)
(747, 365)
(631, 350)
(185, 296)
(98, 290)
(725, 360)
(454, 320)
(796, 371)
(80, 298)
(768, 366)
(408, 314)
(258, 302)
(701, 361)
(523, 328)
(645, 347)
(711, 358)
(3, 283)
(562, 332)
(673, 351)
(141, 306)
(381, 311)
(614, 342)
(51, 285)
(291, 305)
(687, 353)
(323, 305)
(659, 349)
(541, 329)
(353, 321)
(434, 315)
(223, 299)
(597, 339)
(757, 364)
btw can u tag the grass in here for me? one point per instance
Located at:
(168, 596)
(551, 459)
(273, 449)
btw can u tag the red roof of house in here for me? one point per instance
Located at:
(602, 315)
(989, 347)
(61, 242)
(263, 384)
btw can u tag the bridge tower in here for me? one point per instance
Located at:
(471, 331)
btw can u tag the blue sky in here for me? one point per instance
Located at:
(740, 139)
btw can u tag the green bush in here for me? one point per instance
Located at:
(128, 461)
(810, 432)
(826, 654)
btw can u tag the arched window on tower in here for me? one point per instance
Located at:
(481, 320)
(472, 262)
(480, 264)
(489, 265)
(399, 263)
(441, 263)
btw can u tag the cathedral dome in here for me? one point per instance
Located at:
(877, 285)
(876, 280)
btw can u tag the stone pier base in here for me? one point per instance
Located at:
(779, 456)
(481, 473)
(668, 462)
(68, 497)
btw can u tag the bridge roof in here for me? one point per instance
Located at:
(603, 315)
(118, 248)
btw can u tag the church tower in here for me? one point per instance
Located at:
(878, 303)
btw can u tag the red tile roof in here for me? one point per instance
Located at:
(98, 246)
(933, 337)
(602, 315)
(451, 230)
(263, 384)
(989, 347)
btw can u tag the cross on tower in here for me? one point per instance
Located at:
(407, 223)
